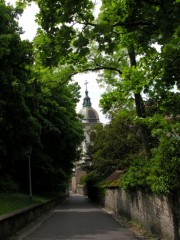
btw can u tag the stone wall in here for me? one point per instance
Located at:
(159, 215)
(13, 222)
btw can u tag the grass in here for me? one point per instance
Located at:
(10, 202)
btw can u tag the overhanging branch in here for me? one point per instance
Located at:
(133, 24)
(98, 68)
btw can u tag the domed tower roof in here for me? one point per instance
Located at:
(89, 114)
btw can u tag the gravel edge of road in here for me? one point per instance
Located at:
(134, 227)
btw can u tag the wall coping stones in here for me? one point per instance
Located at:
(12, 222)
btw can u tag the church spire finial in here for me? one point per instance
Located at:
(86, 83)
(87, 100)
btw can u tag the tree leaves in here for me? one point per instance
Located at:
(115, 145)
(37, 111)
(118, 43)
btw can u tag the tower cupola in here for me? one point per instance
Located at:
(89, 114)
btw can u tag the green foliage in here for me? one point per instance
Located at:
(37, 115)
(61, 132)
(161, 173)
(119, 43)
(115, 145)
(164, 174)
(18, 127)
(135, 178)
(92, 180)
(82, 180)
(170, 53)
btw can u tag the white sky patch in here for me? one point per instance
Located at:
(157, 46)
(27, 22)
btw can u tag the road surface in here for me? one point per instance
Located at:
(78, 219)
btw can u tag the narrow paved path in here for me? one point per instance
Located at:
(78, 219)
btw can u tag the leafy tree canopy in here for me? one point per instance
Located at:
(118, 41)
(120, 44)
(37, 114)
(115, 145)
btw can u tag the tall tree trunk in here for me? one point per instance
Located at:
(140, 109)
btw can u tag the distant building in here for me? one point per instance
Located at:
(89, 117)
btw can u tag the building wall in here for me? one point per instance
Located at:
(75, 180)
(73, 184)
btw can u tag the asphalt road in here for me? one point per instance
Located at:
(78, 219)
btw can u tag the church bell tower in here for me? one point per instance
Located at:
(89, 118)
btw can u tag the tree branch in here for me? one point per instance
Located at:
(153, 2)
(98, 68)
(85, 22)
(134, 24)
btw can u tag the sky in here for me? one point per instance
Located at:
(30, 26)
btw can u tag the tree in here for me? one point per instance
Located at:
(17, 126)
(37, 113)
(161, 173)
(123, 31)
(116, 145)
(61, 132)
(120, 44)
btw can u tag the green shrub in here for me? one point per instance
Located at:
(92, 186)
(164, 176)
(161, 173)
(135, 177)
(83, 180)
